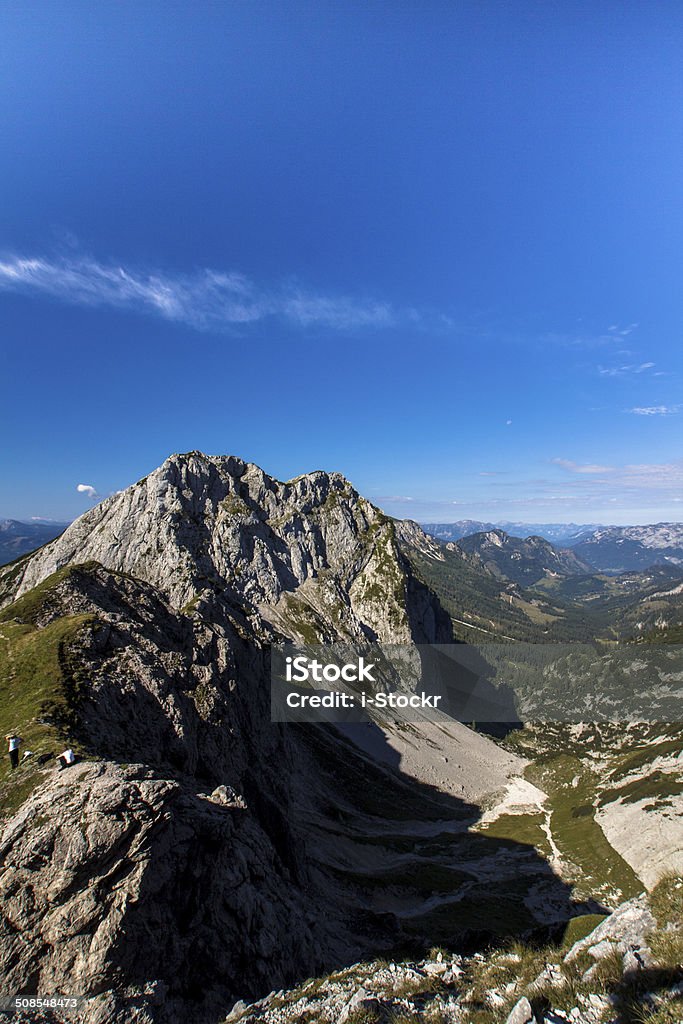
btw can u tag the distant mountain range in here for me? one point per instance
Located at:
(17, 538)
(499, 587)
(522, 561)
(611, 549)
(522, 552)
(566, 534)
(629, 548)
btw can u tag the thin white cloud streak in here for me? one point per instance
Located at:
(205, 300)
(620, 371)
(613, 334)
(575, 467)
(655, 410)
(648, 476)
(392, 497)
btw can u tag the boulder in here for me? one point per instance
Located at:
(626, 929)
(521, 1013)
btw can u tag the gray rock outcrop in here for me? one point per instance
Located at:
(521, 1012)
(626, 928)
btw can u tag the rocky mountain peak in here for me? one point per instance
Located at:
(521, 561)
(309, 557)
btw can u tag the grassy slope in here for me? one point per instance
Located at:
(601, 872)
(38, 685)
(498, 610)
(579, 772)
(554, 609)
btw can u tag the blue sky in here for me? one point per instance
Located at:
(434, 246)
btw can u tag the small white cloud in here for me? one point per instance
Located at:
(87, 489)
(508, 423)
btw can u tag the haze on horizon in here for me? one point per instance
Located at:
(433, 247)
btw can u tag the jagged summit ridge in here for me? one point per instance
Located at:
(191, 521)
(310, 556)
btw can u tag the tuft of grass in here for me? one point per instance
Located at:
(666, 1014)
(364, 1015)
(404, 1017)
(579, 927)
(434, 1014)
(667, 947)
(609, 971)
(666, 900)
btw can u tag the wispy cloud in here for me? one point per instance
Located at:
(575, 467)
(206, 299)
(621, 332)
(591, 339)
(621, 371)
(652, 476)
(655, 410)
(648, 492)
(88, 490)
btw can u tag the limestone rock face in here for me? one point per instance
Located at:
(310, 556)
(173, 874)
(173, 853)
